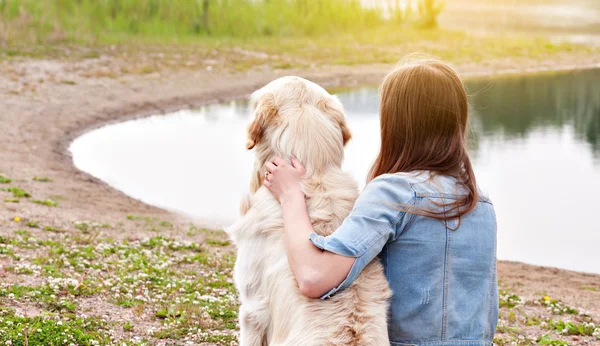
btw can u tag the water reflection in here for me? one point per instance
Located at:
(515, 106)
(512, 107)
(536, 149)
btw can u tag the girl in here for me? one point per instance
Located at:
(421, 213)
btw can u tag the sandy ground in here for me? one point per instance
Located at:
(45, 104)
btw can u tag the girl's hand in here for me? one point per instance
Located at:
(283, 179)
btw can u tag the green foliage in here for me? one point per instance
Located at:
(32, 224)
(557, 307)
(89, 226)
(47, 202)
(571, 328)
(166, 224)
(18, 192)
(547, 340)
(42, 179)
(215, 242)
(501, 342)
(128, 326)
(188, 290)
(4, 179)
(92, 21)
(45, 331)
(508, 300)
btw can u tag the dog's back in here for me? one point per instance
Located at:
(273, 311)
(272, 305)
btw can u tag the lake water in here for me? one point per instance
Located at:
(536, 150)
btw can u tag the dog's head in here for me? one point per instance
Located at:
(293, 116)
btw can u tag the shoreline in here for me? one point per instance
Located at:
(360, 79)
(169, 106)
(50, 116)
(200, 101)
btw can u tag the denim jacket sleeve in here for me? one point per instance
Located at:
(369, 227)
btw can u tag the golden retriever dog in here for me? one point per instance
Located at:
(293, 116)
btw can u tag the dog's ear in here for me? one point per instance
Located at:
(265, 114)
(346, 134)
(336, 110)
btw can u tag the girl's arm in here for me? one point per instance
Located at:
(316, 271)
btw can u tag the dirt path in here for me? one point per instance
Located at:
(45, 104)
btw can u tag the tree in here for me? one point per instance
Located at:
(201, 24)
(429, 11)
(205, 16)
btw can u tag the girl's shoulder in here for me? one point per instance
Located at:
(412, 177)
(422, 184)
(403, 180)
(392, 188)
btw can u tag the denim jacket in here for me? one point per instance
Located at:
(443, 277)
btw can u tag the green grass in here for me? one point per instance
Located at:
(128, 326)
(89, 226)
(21, 330)
(42, 179)
(182, 288)
(214, 242)
(47, 202)
(508, 299)
(152, 223)
(589, 288)
(557, 307)
(282, 34)
(547, 340)
(175, 288)
(91, 21)
(18, 192)
(32, 224)
(4, 179)
(573, 328)
(385, 44)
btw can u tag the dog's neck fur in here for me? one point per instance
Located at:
(314, 168)
(309, 137)
(330, 190)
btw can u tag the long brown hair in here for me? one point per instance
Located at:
(424, 114)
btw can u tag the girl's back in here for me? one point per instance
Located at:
(445, 270)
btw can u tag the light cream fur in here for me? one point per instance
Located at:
(293, 116)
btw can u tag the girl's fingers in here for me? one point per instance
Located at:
(297, 165)
(270, 167)
(267, 184)
(279, 162)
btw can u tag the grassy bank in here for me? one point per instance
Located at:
(72, 283)
(152, 35)
(385, 45)
(110, 21)
(147, 281)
